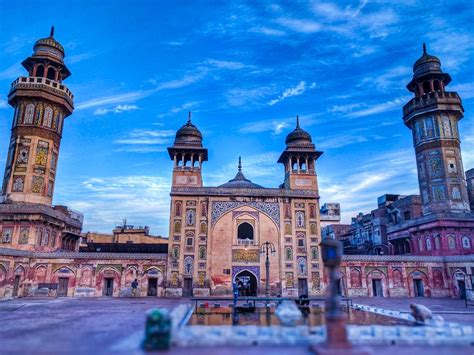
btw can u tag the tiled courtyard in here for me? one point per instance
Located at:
(115, 325)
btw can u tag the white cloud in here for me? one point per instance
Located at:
(294, 91)
(3, 103)
(113, 99)
(76, 58)
(224, 64)
(143, 200)
(12, 72)
(268, 31)
(116, 109)
(298, 25)
(245, 96)
(379, 108)
(146, 137)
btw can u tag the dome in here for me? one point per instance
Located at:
(298, 136)
(427, 63)
(49, 42)
(189, 134)
(240, 181)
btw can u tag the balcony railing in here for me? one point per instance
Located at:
(32, 81)
(245, 242)
(431, 99)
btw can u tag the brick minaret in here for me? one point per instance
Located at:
(299, 159)
(41, 102)
(433, 116)
(188, 154)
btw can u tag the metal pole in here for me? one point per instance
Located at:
(267, 281)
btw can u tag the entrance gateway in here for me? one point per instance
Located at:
(377, 288)
(418, 288)
(62, 286)
(246, 283)
(108, 287)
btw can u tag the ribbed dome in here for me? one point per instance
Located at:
(427, 63)
(298, 136)
(240, 181)
(189, 134)
(49, 42)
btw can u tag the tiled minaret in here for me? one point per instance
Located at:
(433, 116)
(41, 103)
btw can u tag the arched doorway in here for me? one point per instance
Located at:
(246, 283)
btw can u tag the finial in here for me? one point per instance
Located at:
(52, 31)
(297, 121)
(240, 164)
(424, 48)
(189, 117)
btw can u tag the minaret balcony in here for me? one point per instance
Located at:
(433, 101)
(44, 84)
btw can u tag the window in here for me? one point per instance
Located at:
(288, 254)
(420, 245)
(51, 73)
(437, 242)
(226, 271)
(245, 231)
(301, 242)
(29, 113)
(314, 253)
(40, 71)
(466, 243)
(48, 117)
(189, 241)
(406, 215)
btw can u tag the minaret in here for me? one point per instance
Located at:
(41, 102)
(188, 154)
(299, 159)
(433, 116)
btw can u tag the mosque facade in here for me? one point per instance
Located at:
(265, 240)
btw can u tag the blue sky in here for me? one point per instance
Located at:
(245, 70)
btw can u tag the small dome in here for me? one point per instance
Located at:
(427, 63)
(48, 42)
(298, 136)
(189, 134)
(240, 181)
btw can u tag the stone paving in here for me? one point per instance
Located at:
(105, 325)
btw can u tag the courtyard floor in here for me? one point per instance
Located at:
(106, 325)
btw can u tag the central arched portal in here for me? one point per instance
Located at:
(246, 283)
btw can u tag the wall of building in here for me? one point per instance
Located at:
(43, 275)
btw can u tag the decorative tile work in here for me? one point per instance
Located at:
(236, 214)
(247, 256)
(37, 186)
(271, 209)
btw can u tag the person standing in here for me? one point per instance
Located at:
(134, 288)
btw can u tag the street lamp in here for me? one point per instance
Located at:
(267, 248)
